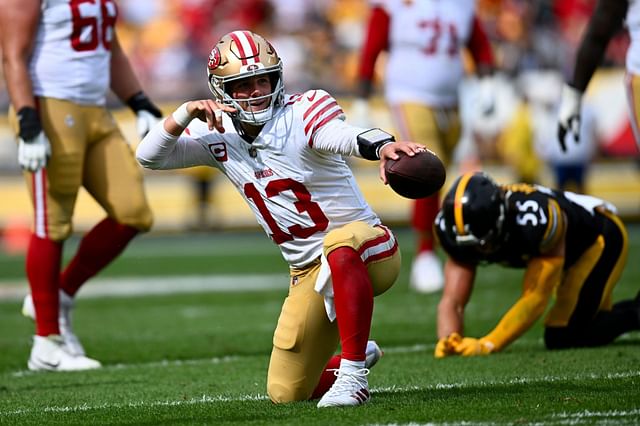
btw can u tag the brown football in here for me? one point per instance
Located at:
(416, 177)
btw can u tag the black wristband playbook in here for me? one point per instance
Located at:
(370, 142)
(140, 102)
(29, 123)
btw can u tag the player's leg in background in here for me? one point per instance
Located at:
(583, 314)
(438, 130)
(114, 180)
(54, 191)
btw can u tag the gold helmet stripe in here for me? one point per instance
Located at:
(457, 202)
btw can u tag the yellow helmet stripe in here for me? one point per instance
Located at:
(457, 202)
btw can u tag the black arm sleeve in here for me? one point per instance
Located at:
(608, 18)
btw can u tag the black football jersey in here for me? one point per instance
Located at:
(534, 223)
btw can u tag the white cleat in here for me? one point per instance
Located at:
(74, 347)
(426, 273)
(374, 353)
(51, 354)
(349, 389)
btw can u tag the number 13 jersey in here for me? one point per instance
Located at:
(293, 175)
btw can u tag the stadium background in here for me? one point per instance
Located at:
(319, 41)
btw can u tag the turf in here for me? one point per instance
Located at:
(201, 358)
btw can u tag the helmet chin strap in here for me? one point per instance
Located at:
(247, 131)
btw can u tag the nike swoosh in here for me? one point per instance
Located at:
(49, 364)
(312, 97)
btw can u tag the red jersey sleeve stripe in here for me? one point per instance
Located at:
(323, 122)
(314, 106)
(310, 122)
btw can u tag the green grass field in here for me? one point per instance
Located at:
(185, 336)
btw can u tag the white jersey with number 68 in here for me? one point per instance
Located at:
(72, 57)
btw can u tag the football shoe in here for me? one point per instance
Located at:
(374, 353)
(426, 273)
(51, 354)
(66, 304)
(351, 388)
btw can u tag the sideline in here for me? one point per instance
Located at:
(143, 286)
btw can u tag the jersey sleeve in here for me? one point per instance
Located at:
(607, 18)
(376, 41)
(160, 150)
(479, 45)
(317, 109)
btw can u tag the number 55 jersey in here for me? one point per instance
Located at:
(293, 175)
(536, 218)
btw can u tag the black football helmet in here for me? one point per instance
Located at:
(474, 212)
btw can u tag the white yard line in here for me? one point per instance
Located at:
(583, 417)
(140, 286)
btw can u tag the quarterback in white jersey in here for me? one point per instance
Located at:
(293, 175)
(60, 60)
(285, 155)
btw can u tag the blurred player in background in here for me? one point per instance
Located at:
(60, 58)
(573, 247)
(424, 68)
(284, 154)
(608, 18)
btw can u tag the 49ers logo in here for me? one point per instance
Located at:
(214, 58)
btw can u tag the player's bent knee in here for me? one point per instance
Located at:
(281, 393)
(384, 273)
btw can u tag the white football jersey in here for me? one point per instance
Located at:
(633, 24)
(293, 176)
(72, 50)
(424, 64)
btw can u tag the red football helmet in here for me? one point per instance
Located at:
(242, 54)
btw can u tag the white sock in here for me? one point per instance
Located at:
(349, 366)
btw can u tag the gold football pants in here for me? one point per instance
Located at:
(305, 339)
(87, 150)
